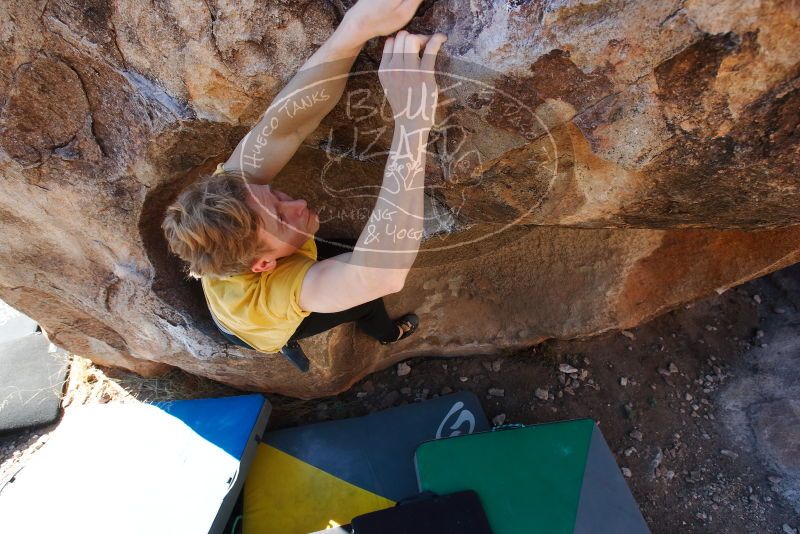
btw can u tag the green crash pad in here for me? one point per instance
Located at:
(552, 478)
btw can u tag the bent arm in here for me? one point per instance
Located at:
(388, 244)
(390, 241)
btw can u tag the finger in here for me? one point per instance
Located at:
(399, 46)
(423, 40)
(413, 45)
(388, 47)
(431, 50)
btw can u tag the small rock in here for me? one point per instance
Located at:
(626, 472)
(496, 365)
(774, 480)
(730, 454)
(583, 375)
(672, 368)
(688, 397)
(628, 409)
(368, 387)
(623, 381)
(567, 368)
(499, 419)
(361, 394)
(497, 392)
(757, 298)
(541, 394)
(463, 378)
(629, 451)
(637, 435)
(789, 530)
(656, 460)
(446, 390)
(405, 391)
(628, 334)
(403, 369)
(780, 311)
(759, 334)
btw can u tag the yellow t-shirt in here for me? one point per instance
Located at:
(262, 308)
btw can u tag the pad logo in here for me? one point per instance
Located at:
(464, 416)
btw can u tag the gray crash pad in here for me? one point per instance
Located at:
(14, 324)
(32, 375)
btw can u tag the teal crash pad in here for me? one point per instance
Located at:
(555, 478)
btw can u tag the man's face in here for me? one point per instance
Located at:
(286, 222)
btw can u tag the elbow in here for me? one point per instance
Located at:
(397, 283)
(379, 283)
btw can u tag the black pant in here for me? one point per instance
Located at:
(371, 317)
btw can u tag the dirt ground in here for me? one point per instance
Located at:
(654, 391)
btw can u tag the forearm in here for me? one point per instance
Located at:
(319, 84)
(393, 233)
(298, 108)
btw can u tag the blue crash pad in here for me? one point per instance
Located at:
(155, 468)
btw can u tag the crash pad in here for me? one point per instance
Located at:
(320, 476)
(554, 478)
(14, 324)
(137, 467)
(32, 375)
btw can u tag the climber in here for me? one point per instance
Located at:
(265, 278)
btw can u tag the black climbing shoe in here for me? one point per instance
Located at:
(294, 353)
(408, 323)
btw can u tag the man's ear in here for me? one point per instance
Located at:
(263, 264)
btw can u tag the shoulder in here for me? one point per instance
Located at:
(309, 249)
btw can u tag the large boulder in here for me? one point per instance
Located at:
(593, 167)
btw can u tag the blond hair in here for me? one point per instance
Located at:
(212, 229)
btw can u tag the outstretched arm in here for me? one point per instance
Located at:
(314, 91)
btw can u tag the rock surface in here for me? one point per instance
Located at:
(596, 167)
(760, 408)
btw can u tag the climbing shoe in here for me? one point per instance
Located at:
(294, 353)
(408, 323)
